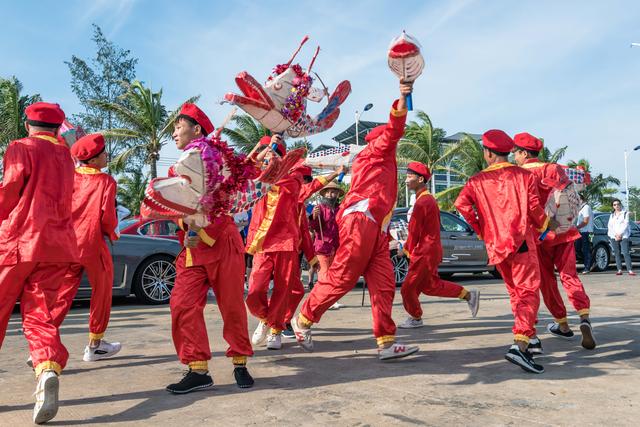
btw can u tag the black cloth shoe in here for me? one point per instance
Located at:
(535, 346)
(243, 378)
(192, 381)
(554, 329)
(523, 359)
(588, 339)
(288, 332)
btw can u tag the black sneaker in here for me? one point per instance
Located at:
(523, 359)
(192, 381)
(535, 346)
(243, 378)
(554, 329)
(588, 339)
(288, 332)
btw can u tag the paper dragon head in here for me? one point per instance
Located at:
(281, 103)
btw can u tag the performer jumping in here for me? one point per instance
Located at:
(94, 219)
(364, 244)
(212, 258)
(502, 205)
(37, 244)
(557, 252)
(424, 249)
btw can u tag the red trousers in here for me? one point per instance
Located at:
(100, 275)
(521, 274)
(284, 269)
(189, 297)
(296, 291)
(423, 278)
(563, 258)
(36, 284)
(363, 251)
(325, 262)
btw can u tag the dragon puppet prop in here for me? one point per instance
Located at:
(405, 60)
(281, 103)
(210, 180)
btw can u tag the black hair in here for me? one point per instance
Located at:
(616, 200)
(86, 161)
(530, 152)
(497, 153)
(418, 174)
(39, 124)
(192, 121)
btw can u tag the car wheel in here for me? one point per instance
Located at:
(445, 276)
(400, 267)
(154, 279)
(495, 273)
(601, 258)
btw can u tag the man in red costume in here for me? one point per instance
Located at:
(364, 243)
(424, 249)
(557, 250)
(213, 258)
(502, 205)
(94, 219)
(37, 243)
(275, 245)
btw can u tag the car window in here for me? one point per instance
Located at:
(452, 224)
(126, 223)
(634, 227)
(399, 227)
(601, 221)
(159, 228)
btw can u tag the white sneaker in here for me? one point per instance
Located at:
(274, 342)
(411, 323)
(46, 397)
(396, 351)
(303, 336)
(260, 334)
(102, 351)
(474, 302)
(336, 306)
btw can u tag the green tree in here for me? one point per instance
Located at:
(634, 203)
(552, 157)
(597, 192)
(102, 78)
(12, 106)
(131, 187)
(424, 143)
(246, 132)
(146, 124)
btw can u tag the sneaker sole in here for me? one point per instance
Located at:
(588, 340)
(274, 348)
(560, 336)
(197, 388)
(410, 327)
(49, 408)
(522, 364)
(95, 358)
(400, 355)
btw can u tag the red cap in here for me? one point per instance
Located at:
(192, 111)
(305, 170)
(281, 148)
(45, 112)
(88, 147)
(497, 140)
(419, 169)
(527, 141)
(375, 133)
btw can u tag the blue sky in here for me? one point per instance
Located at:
(562, 70)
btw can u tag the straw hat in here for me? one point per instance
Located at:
(332, 186)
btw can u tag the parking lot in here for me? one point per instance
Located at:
(458, 378)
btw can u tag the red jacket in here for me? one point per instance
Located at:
(374, 173)
(308, 190)
(94, 211)
(424, 228)
(216, 240)
(502, 204)
(35, 202)
(549, 177)
(275, 225)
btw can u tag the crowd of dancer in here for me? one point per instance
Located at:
(57, 209)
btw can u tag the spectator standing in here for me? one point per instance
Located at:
(619, 232)
(585, 226)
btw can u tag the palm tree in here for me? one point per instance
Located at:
(468, 161)
(12, 106)
(597, 192)
(548, 157)
(148, 125)
(246, 133)
(131, 187)
(424, 143)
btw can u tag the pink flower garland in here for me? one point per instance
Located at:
(294, 106)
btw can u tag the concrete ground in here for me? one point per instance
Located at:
(458, 378)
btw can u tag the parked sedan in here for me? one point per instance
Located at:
(138, 226)
(143, 266)
(462, 251)
(602, 252)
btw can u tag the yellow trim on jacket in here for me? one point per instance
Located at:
(272, 203)
(497, 166)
